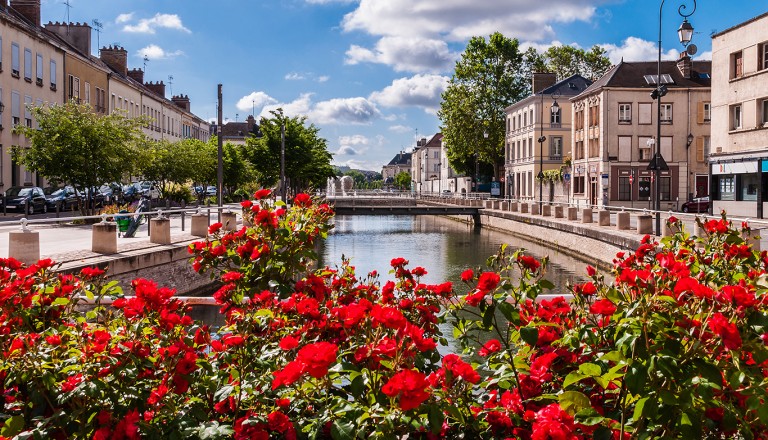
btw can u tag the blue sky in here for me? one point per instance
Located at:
(369, 73)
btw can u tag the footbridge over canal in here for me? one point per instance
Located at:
(400, 206)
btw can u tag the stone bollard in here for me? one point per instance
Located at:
(160, 230)
(513, 206)
(622, 220)
(524, 208)
(586, 215)
(573, 213)
(546, 211)
(199, 226)
(558, 211)
(104, 238)
(24, 245)
(504, 206)
(229, 221)
(644, 224)
(496, 205)
(488, 204)
(604, 217)
(534, 208)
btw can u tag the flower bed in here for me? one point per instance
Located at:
(671, 344)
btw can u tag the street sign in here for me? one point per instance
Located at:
(567, 177)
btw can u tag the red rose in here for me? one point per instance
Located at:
(586, 289)
(467, 275)
(727, 331)
(602, 307)
(410, 386)
(528, 262)
(302, 200)
(289, 343)
(591, 271)
(262, 194)
(488, 281)
(398, 262)
(491, 346)
(214, 227)
(90, 272)
(317, 358)
(230, 277)
(288, 375)
(474, 299)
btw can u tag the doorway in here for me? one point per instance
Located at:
(593, 190)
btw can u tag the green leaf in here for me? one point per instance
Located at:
(591, 370)
(343, 430)
(530, 335)
(509, 311)
(436, 418)
(635, 378)
(572, 378)
(573, 401)
(639, 408)
(546, 284)
(762, 413)
(603, 433)
(12, 426)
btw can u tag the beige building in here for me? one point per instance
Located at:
(31, 74)
(538, 134)
(426, 165)
(401, 162)
(614, 131)
(739, 155)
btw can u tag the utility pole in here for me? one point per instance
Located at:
(220, 154)
(282, 157)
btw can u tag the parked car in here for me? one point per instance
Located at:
(31, 197)
(149, 189)
(699, 204)
(65, 197)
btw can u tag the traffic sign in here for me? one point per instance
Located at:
(567, 177)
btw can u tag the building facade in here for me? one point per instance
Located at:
(426, 165)
(538, 134)
(739, 147)
(401, 162)
(614, 131)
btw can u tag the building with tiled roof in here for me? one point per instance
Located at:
(401, 162)
(614, 131)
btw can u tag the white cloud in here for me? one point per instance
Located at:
(354, 140)
(150, 25)
(406, 54)
(124, 18)
(422, 91)
(323, 78)
(155, 52)
(637, 49)
(294, 76)
(344, 110)
(400, 129)
(346, 150)
(301, 106)
(254, 100)
(326, 2)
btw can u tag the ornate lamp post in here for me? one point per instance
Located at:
(685, 34)
(555, 109)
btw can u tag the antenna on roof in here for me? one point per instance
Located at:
(68, 6)
(146, 60)
(98, 27)
(170, 83)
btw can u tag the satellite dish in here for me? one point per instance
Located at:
(692, 49)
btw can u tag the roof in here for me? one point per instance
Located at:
(400, 158)
(571, 86)
(632, 75)
(239, 129)
(750, 21)
(435, 142)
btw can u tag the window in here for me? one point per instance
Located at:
(625, 113)
(28, 111)
(749, 184)
(556, 147)
(666, 113)
(74, 88)
(15, 61)
(555, 117)
(704, 113)
(646, 146)
(702, 148)
(737, 65)
(578, 185)
(530, 147)
(644, 110)
(15, 108)
(644, 188)
(87, 92)
(530, 118)
(1, 54)
(762, 56)
(27, 65)
(736, 117)
(525, 119)
(437, 155)
(764, 112)
(579, 152)
(594, 116)
(53, 75)
(39, 70)
(579, 120)
(727, 185)
(625, 189)
(625, 148)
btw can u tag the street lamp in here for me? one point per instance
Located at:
(684, 34)
(477, 164)
(554, 109)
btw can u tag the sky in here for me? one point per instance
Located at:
(367, 73)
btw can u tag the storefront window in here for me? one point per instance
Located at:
(625, 189)
(749, 185)
(727, 188)
(666, 188)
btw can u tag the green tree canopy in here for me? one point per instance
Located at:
(307, 160)
(75, 146)
(403, 180)
(569, 60)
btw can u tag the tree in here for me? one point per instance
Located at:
(486, 80)
(307, 160)
(568, 60)
(167, 163)
(75, 146)
(403, 180)
(238, 170)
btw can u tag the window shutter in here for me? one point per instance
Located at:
(700, 149)
(700, 113)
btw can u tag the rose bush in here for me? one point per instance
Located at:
(671, 345)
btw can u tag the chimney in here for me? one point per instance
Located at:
(30, 9)
(76, 34)
(684, 65)
(137, 75)
(157, 88)
(182, 101)
(250, 121)
(116, 58)
(542, 80)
